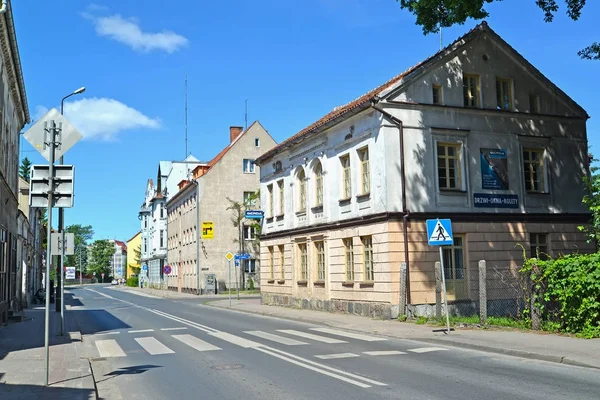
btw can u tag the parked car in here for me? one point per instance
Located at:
(114, 282)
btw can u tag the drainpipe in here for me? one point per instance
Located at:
(197, 239)
(4, 6)
(405, 210)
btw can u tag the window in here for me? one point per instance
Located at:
(538, 243)
(437, 94)
(533, 163)
(162, 238)
(248, 166)
(271, 269)
(250, 266)
(534, 104)
(282, 261)
(301, 191)
(349, 250)
(454, 269)
(320, 252)
(303, 261)
(363, 154)
(256, 142)
(504, 93)
(270, 194)
(346, 177)
(162, 211)
(367, 242)
(471, 90)
(249, 232)
(145, 221)
(145, 245)
(249, 198)
(319, 184)
(449, 174)
(281, 198)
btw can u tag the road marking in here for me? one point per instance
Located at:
(184, 321)
(109, 348)
(276, 338)
(196, 343)
(239, 341)
(142, 331)
(174, 329)
(153, 346)
(366, 338)
(311, 336)
(426, 349)
(383, 353)
(334, 356)
(107, 333)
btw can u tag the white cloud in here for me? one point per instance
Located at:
(129, 32)
(39, 113)
(102, 118)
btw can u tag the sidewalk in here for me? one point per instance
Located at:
(170, 294)
(539, 346)
(22, 367)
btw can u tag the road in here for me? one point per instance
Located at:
(144, 347)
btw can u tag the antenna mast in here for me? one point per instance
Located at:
(186, 122)
(246, 113)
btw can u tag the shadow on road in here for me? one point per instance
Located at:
(25, 391)
(135, 370)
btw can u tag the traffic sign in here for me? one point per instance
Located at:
(70, 273)
(229, 256)
(439, 232)
(38, 136)
(167, 269)
(242, 256)
(254, 214)
(63, 186)
(57, 244)
(208, 230)
(145, 267)
(102, 275)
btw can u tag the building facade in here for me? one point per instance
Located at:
(474, 133)
(205, 197)
(134, 254)
(14, 114)
(118, 261)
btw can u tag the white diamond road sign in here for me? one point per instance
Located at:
(439, 232)
(38, 136)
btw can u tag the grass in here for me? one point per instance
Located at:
(474, 320)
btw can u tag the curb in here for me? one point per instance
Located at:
(489, 349)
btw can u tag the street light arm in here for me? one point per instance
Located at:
(62, 101)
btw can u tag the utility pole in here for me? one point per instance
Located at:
(186, 118)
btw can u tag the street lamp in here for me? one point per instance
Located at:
(61, 223)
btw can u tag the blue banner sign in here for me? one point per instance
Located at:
(254, 214)
(494, 169)
(496, 200)
(242, 256)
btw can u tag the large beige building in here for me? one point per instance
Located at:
(202, 198)
(475, 134)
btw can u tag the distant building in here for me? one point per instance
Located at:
(118, 261)
(134, 245)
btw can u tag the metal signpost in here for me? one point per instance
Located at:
(439, 233)
(62, 243)
(229, 257)
(52, 136)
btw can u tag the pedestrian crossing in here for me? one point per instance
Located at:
(170, 340)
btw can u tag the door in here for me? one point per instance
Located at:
(455, 270)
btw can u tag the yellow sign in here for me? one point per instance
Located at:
(229, 256)
(208, 230)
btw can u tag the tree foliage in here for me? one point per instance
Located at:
(592, 201)
(101, 254)
(25, 169)
(433, 14)
(83, 234)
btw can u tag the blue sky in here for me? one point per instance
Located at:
(294, 60)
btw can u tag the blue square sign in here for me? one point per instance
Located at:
(439, 232)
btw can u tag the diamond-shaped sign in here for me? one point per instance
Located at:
(38, 137)
(229, 256)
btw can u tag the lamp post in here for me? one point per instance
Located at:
(61, 223)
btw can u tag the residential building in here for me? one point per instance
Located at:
(118, 261)
(134, 246)
(204, 197)
(474, 133)
(14, 114)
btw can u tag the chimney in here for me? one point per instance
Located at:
(234, 132)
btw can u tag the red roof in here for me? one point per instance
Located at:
(121, 245)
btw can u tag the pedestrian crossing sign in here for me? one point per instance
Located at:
(439, 232)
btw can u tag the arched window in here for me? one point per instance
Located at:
(319, 184)
(301, 190)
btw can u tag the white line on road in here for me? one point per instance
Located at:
(276, 338)
(311, 336)
(181, 328)
(383, 353)
(107, 333)
(184, 321)
(109, 348)
(239, 341)
(335, 356)
(141, 331)
(366, 338)
(426, 349)
(153, 346)
(196, 343)
(137, 293)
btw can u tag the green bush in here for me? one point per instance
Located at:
(251, 284)
(133, 281)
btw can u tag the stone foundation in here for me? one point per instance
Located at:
(365, 309)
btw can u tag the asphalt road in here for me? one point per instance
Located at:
(153, 348)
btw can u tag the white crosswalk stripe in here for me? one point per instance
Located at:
(383, 353)
(336, 356)
(153, 346)
(109, 348)
(426, 349)
(276, 338)
(351, 335)
(307, 335)
(195, 343)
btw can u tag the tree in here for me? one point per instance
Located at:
(137, 258)
(83, 234)
(433, 14)
(101, 255)
(25, 169)
(592, 201)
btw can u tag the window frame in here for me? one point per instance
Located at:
(320, 259)
(437, 89)
(346, 176)
(534, 103)
(303, 261)
(544, 255)
(365, 170)
(368, 264)
(500, 81)
(251, 166)
(458, 146)
(349, 258)
(282, 261)
(271, 263)
(452, 248)
(271, 202)
(246, 199)
(251, 230)
(529, 170)
(281, 187)
(319, 188)
(301, 178)
(467, 91)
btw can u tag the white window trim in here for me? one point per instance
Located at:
(253, 170)
(462, 141)
(545, 170)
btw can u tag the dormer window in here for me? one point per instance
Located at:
(437, 94)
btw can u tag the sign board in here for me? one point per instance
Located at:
(208, 230)
(145, 267)
(229, 256)
(254, 214)
(167, 269)
(211, 284)
(439, 232)
(490, 200)
(242, 256)
(102, 275)
(39, 185)
(39, 136)
(70, 273)
(494, 169)
(57, 245)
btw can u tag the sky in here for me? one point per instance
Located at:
(293, 61)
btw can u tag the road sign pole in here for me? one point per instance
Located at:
(51, 137)
(62, 271)
(229, 282)
(444, 286)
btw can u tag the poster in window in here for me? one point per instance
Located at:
(494, 169)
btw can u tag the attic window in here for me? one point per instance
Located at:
(256, 142)
(534, 103)
(437, 94)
